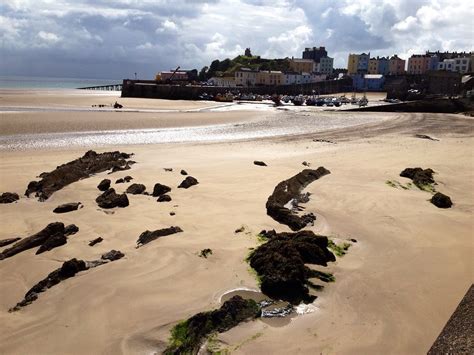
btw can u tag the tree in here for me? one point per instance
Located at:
(203, 74)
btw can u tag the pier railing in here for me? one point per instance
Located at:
(111, 87)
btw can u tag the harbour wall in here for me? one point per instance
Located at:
(151, 89)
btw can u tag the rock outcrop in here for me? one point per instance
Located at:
(104, 185)
(288, 193)
(50, 237)
(127, 178)
(110, 199)
(8, 241)
(95, 241)
(188, 336)
(136, 189)
(9, 197)
(81, 168)
(280, 264)
(420, 177)
(441, 200)
(164, 198)
(69, 269)
(68, 207)
(259, 163)
(160, 189)
(183, 172)
(188, 182)
(148, 236)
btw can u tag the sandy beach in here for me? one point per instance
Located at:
(394, 290)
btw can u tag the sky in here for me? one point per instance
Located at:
(117, 38)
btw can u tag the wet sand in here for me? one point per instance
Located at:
(394, 290)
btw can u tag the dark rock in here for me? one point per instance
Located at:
(280, 264)
(164, 198)
(239, 230)
(323, 141)
(305, 163)
(168, 169)
(71, 229)
(104, 185)
(124, 179)
(172, 213)
(424, 136)
(110, 199)
(353, 240)
(52, 242)
(69, 269)
(183, 172)
(112, 255)
(81, 168)
(289, 190)
(68, 207)
(9, 197)
(441, 200)
(205, 253)
(259, 163)
(421, 177)
(160, 189)
(190, 334)
(188, 182)
(95, 241)
(148, 236)
(33, 241)
(136, 189)
(118, 167)
(5, 242)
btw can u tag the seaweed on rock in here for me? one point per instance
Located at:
(280, 264)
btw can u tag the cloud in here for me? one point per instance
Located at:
(115, 38)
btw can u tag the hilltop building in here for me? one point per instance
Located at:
(246, 77)
(270, 77)
(460, 65)
(315, 53)
(325, 65)
(302, 65)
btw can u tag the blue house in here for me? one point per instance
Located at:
(368, 82)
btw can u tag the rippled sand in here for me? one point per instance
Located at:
(394, 290)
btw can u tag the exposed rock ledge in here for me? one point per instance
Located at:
(290, 191)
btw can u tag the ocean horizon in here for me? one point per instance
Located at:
(32, 82)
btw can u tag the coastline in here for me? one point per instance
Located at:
(394, 290)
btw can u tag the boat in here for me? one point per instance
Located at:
(298, 100)
(363, 101)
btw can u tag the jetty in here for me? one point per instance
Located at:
(110, 87)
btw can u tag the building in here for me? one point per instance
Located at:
(325, 65)
(396, 65)
(246, 77)
(302, 65)
(225, 81)
(270, 78)
(444, 82)
(379, 65)
(421, 63)
(358, 63)
(460, 65)
(173, 76)
(315, 53)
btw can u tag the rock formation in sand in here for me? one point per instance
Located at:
(289, 192)
(441, 200)
(104, 185)
(164, 198)
(280, 264)
(421, 177)
(160, 189)
(81, 168)
(136, 189)
(188, 182)
(188, 336)
(110, 199)
(69, 269)
(8, 241)
(68, 207)
(125, 179)
(148, 236)
(53, 235)
(9, 197)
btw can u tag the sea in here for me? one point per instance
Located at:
(48, 83)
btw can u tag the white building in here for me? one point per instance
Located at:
(460, 65)
(222, 81)
(246, 77)
(325, 65)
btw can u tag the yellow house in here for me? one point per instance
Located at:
(270, 78)
(302, 65)
(352, 63)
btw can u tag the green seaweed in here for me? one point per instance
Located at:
(339, 250)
